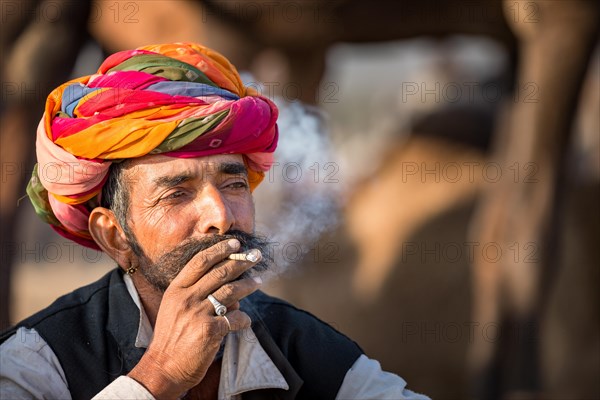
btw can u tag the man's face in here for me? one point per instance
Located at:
(181, 206)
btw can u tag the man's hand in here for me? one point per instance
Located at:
(188, 334)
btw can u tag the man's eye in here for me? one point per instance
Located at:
(238, 185)
(173, 195)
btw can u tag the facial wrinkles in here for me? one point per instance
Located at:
(148, 220)
(164, 215)
(177, 218)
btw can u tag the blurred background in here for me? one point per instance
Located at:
(438, 177)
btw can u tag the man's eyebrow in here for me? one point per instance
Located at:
(228, 168)
(233, 168)
(170, 181)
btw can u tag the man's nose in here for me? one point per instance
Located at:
(215, 214)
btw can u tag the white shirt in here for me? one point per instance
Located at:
(30, 369)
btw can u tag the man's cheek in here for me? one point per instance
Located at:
(164, 236)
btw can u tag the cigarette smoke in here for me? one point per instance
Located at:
(301, 195)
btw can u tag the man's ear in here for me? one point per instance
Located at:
(109, 235)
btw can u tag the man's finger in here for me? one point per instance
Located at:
(221, 274)
(204, 261)
(233, 292)
(219, 327)
(238, 320)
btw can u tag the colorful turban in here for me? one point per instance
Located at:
(180, 100)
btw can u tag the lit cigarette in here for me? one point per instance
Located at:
(252, 256)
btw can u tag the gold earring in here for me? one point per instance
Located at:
(131, 270)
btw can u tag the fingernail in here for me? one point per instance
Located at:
(257, 279)
(233, 243)
(254, 255)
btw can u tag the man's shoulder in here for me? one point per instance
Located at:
(67, 304)
(85, 294)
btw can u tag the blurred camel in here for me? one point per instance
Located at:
(554, 40)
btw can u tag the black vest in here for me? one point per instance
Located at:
(92, 331)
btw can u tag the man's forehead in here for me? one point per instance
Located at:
(149, 168)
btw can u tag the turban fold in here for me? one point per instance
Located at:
(180, 100)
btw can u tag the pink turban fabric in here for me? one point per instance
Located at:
(181, 100)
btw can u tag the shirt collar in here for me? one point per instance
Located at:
(246, 365)
(145, 331)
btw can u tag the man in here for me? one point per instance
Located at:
(153, 160)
